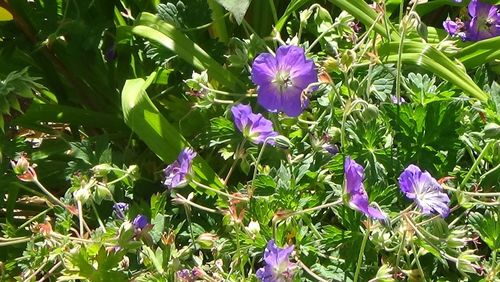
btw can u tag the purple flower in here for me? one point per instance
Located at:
(282, 79)
(485, 22)
(277, 264)
(394, 100)
(450, 26)
(185, 275)
(140, 221)
(176, 173)
(255, 127)
(424, 190)
(120, 209)
(358, 199)
(332, 149)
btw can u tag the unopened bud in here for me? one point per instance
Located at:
(492, 130)
(82, 195)
(466, 262)
(370, 113)
(206, 240)
(253, 228)
(101, 170)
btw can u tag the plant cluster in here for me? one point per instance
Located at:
(221, 140)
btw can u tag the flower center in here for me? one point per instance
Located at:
(282, 80)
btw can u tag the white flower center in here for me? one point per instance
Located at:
(282, 80)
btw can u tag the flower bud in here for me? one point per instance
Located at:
(82, 195)
(101, 170)
(492, 130)
(466, 262)
(370, 113)
(253, 228)
(23, 170)
(206, 240)
(331, 65)
(282, 141)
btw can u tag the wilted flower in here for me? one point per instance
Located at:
(484, 22)
(120, 209)
(176, 173)
(358, 199)
(277, 264)
(282, 79)
(424, 190)
(140, 221)
(255, 127)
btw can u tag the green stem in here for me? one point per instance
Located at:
(218, 191)
(401, 246)
(186, 201)
(34, 218)
(415, 253)
(4, 243)
(361, 253)
(238, 250)
(473, 194)
(237, 156)
(339, 201)
(101, 224)
(257, 162)
(47, 192)
(475, 164)
(273, 11)
(226, 93)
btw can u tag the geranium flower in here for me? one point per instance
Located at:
(277, 264)
(120, 209)
(255, 127)
(140, 221)
(424, 190)
(282, 79)
(484, 22)
(358, 199)
(176, 174)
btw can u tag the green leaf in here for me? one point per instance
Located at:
(237, 7)
(142, 116)
(431, 59)
(479, 52)
(364, 13)
(488, 226)
(153, 28)
(64, 114)
(292, 7)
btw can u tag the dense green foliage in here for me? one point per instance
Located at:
(100, 96)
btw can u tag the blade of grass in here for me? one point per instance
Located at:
(364, 13)
(433, 60)
(480, 52)
(153, 28)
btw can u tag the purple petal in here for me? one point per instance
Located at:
(354, 174)
(140, 221)
(269, 97)
(478, 9)
(291, 103)
(450, 26)
(304, 74)
(264, 69)
(240, 115)
(424, 190)
(290, 56)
